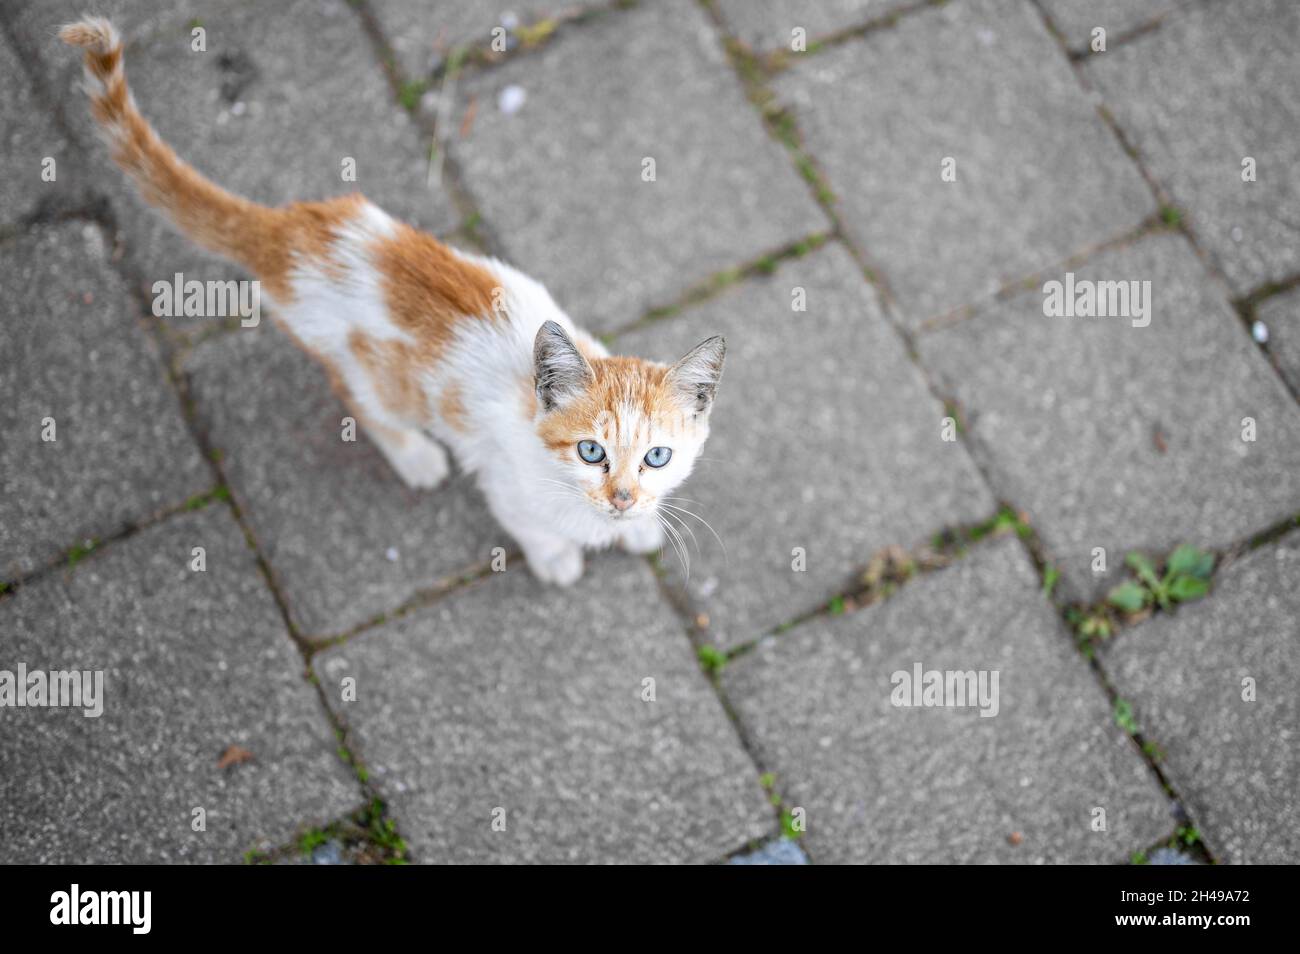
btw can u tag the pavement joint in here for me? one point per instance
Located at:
(1153, 226)
(773, 62)
(715, 283)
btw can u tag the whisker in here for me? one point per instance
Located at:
(678, 546)
(687, 528)
(706, 523)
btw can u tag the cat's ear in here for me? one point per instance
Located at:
(696, 376)
(561, 371)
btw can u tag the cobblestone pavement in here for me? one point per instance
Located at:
(919, 469)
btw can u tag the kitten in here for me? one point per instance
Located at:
(429, 346)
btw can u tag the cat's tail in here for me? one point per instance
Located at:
(218, 220)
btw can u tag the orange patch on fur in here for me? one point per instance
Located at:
(341, 391)
(393, 367)
(451, 408)
(428, 287)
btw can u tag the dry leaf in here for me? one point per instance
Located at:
(470, 112)
(234, 755)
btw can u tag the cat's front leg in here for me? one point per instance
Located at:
(644, 535)
(552, 559)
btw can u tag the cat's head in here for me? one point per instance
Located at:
(623, 431)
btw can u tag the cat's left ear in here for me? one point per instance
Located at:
(696, 376)
(561, 372)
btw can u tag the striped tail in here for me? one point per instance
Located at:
(248, 233)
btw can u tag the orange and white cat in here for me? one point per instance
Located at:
(429, 346)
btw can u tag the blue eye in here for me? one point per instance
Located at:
(591, 452)
(658, 456)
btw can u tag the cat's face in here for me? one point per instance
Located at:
(623, 432)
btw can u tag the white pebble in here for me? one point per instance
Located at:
(1259, 331)
(391, 554)
(511, 99)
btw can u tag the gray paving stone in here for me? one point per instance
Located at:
(824, 437)
(1068, 415)
(1281, 315)
(73, 351)
(282, 95)
(28, 137)
(1039, 177)
(192, 663)
(1076, 19)
(1169, 856)
(560, 180)
(423, 34)
(345, 538)
(1193, 125)
(527, 698)
(886, 784)
(782, 852)
(769, 24)
(1233, 763)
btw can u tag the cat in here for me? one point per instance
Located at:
(428, 346)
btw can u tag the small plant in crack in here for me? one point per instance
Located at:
(199, 501)
(312, 839)
(410, 93)
(1091, 625)
(1186, 578)
(536, 33)
(381, 832)
(801, 248)
(1051, 575)
(788, 827)
(1124, 717)
(885, 572)
(1183, 847)
(711, 658)
(953, 410)
(79, 551)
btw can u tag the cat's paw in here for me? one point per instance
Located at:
(643, 536)
(562, 566)
(420, 462)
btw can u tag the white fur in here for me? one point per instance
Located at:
(540, 500)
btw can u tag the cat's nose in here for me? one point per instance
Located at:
(621, 499)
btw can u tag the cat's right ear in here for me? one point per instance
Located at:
(561, 372)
